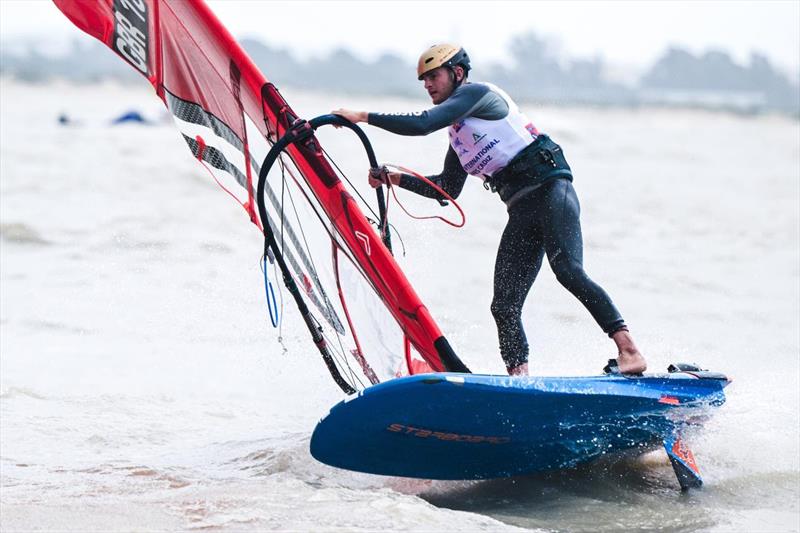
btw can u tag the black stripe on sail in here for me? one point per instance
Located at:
(194, 114)
(216, 159)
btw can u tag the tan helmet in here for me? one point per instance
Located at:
(442, 55)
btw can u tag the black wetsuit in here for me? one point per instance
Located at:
(543, 211)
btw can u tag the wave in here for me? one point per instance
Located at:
(20, 392)
(289, 455)
(22, 234)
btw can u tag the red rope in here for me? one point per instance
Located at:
(434, 186)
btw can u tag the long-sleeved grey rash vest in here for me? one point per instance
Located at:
(468, 100)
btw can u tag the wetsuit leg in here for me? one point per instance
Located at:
(519, 258)
(564, 246)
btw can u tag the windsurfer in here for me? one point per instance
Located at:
(492, 139)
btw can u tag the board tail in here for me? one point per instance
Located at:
(683, 463)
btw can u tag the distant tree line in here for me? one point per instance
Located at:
(678, 69)
(536, 73)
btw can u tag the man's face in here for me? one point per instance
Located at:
(439, 84)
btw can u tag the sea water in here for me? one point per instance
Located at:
(142, 386)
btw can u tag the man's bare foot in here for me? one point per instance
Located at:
(631, 363)
(519, 370)
(629, 360)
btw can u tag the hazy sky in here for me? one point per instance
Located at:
(625, 33)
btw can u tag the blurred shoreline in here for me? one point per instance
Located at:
(705, 102)
(537, 74)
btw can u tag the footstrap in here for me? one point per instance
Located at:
(612, 367)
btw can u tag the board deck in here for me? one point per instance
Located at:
(469, 426)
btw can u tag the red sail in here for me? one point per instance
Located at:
(214, 90)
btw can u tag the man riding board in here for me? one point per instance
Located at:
(492, 139)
